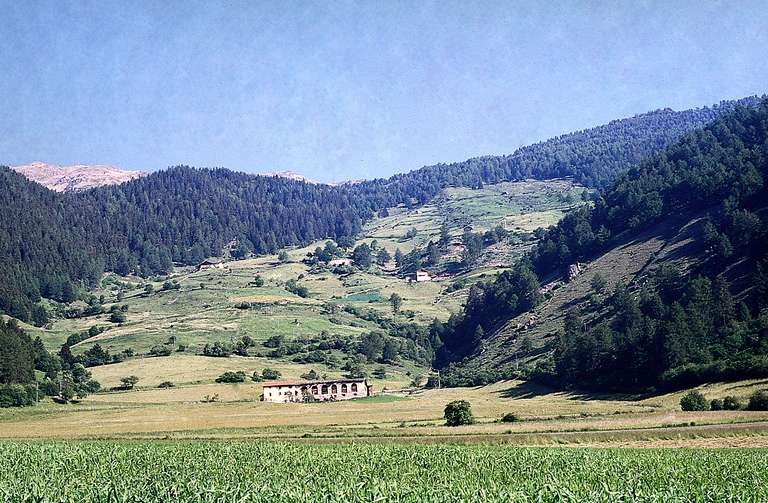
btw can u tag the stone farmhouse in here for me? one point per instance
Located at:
(329, 390)
(210, 263)
(420, 276)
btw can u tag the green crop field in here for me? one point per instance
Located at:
(279, 472)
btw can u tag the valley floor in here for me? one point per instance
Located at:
(546, 417)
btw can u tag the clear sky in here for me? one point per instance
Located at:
(347, 90)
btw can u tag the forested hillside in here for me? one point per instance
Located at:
(675, 327)
(51, 242)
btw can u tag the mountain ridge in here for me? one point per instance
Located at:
(76, 177)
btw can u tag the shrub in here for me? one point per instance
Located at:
(217, 349)
(731, 403)
(716, 404)
(160, 350)
(270, 374)
(49, 388)
(458, 412)
(758, 401)
(17, 395)
(510, 417)
(230, 377)
(694, 401)
(312, 375)
(128, 382)
(165, 384)
(256, 377)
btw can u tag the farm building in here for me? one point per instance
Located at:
(301, 391)
(421, 276)
(210, 263)
(340, 261)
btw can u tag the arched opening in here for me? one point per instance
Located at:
(314, 390)
(334, 389)
(325, 389)
(343, 389)
(354, 387)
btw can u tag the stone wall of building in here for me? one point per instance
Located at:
(286, 392)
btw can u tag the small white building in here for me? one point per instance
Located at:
(210, 263)
(329, 390)
(422, 275)
(340, 261)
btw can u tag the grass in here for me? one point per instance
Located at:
(547, 415)
(278, 472)
(205, 309)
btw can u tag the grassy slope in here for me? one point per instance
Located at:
(203, 310)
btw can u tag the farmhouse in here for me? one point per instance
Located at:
(210, 263)
(340, 261)
(301, 391)
(422, 275)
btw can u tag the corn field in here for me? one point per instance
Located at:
(112, 471)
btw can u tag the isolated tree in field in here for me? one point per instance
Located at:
(361, 256)
(399, 258)
(128, 382)
(433, 254)
(117, 317)
(458, 413)
(383, 257)
(694, 401)
(445, 235)
(283, 256)
(258, 281)
(148, 289)
(598, 283)
(396, 302)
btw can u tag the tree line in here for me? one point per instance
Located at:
(51, 244)
(678, 328)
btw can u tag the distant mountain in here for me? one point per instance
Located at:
(290, 175)
(77, 177)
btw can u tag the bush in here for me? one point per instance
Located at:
(230, 377)
(270, 374)
(256, 377)
(128, 382)
(458, 412)
(49, 388)
(758, 401)
(217, 349)
(716, 404)
(17, 395)
(165, 384)
(731, 403)
(694, 401)
(510, 417)
(160, 350)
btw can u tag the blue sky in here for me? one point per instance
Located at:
(347, 90)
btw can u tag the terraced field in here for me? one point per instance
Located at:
(205, 307)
